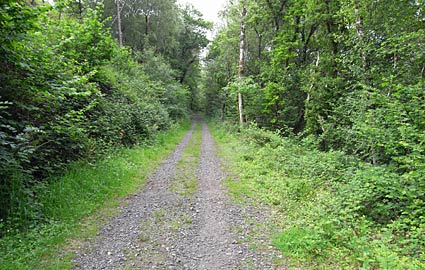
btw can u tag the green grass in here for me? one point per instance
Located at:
(186, 171)
(331, 215)
(78, 202)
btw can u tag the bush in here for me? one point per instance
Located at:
(337, 209)
(69, 93)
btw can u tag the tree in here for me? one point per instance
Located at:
(241, 59)
(119, 22)
(146, 24)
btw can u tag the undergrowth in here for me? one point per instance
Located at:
(339, 212)
(70, 202)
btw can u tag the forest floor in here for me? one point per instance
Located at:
(184, 219)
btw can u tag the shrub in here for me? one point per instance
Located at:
(68, 93)
(337, 209)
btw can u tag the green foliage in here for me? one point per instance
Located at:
(69, 99)
(348, 72)
(160, 29)
(175, 96)
(69, 93)
(131, 106)
(84, 188)
(249, 90)
(302, 242)
(348, 78)
(338, 211)
(47, 96)
(147, 24)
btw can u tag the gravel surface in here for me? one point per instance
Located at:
(162, 229)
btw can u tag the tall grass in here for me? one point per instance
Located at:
(73, 204)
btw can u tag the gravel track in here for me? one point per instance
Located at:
(162, 229)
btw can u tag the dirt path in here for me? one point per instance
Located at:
(183, 219)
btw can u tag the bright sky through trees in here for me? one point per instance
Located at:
(208, 8)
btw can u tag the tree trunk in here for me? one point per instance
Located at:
(312, 82)
(359, 32)
(80, 9)
(119, 22)
(241, 59)
(147, 25)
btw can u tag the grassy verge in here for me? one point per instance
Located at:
(78, 202)
(336, 211)
(186, 171)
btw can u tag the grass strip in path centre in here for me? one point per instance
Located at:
(186, 172)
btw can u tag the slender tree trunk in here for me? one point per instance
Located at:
(367, 79)
(241, 59)
(147, 21)
(119, 22)
(260, 47)
(259, 55)
(80, 9)
(359, 32)
(312, 82)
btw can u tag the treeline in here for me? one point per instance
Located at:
(350, 73)
(344, 75)
(69, 92)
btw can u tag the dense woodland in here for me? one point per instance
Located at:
(339, 75)
(68, 91)
(81, 78)
(349, 73)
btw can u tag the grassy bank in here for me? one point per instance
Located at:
(76, 204)
(336, 212)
